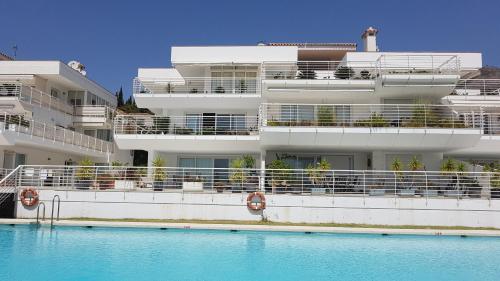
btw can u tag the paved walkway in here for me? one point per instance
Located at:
(282, 228)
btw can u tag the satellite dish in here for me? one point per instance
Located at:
(76, 65)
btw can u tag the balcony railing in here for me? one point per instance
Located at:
(221, 124)
(418, 64)
(379, 116)
(34, 97)
(198, 85)
(319, 70)
(89, 113)
(477, 87)
(17, 124)
(361, 183)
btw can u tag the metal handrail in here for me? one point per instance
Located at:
(38, 212)
(309, 181)
(20, 125)
(197, 86)
(484, 118)
(191, 124)
(58, 209)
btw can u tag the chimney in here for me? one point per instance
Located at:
(370, 39)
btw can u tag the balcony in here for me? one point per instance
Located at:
(475, 91)
(318, 182)
(224, 133)
(14, 129)
(17, 98)
(198, 92)
(388, 76)
(370, 126)
(98, 116)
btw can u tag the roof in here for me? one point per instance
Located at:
(5, 57)
(318, 45)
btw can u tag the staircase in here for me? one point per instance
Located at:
(8, 184)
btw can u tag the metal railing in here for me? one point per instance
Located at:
(8, 183)
(198, 85)
(193, 124)
(311, 181)
(477, 87)
(34, 97)
(418, 64)
(20, 125)
(318, 70)
(88, 113)
(379, 115)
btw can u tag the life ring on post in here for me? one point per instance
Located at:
(29, 197)
(256, 201)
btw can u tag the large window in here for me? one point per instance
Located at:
(234, 79)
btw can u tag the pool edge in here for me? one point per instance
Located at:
(272, 228)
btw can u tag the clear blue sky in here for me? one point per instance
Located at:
(114, 38)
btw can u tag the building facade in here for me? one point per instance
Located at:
(52, 114)
(303, 103)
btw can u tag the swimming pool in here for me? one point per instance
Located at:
(78, 253)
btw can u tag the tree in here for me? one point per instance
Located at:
(119, 98)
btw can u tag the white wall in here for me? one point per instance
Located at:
(280, 208)
(236, 54)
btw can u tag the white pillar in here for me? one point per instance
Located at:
(262, 181)
(151, 157)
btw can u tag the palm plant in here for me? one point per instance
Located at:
(317, 173)
(159, 173)
(85, 171)
(415, 164)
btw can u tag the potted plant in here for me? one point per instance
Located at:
(449, 168)
(280, 173)
(159, 173)
(306, 74)
(326, 116)
(85, 173)
(317, 175)
(493, 171)
(414, 165)
(220, 90)
(193, 183)
(344, 72)
(238, 174)
(122, 179)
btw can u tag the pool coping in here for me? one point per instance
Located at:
(273, 228)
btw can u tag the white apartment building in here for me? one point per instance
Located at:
(302, 102)
(52, 114)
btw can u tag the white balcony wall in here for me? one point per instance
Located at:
(233, 54)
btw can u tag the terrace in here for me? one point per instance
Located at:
(387, 126)
(192, 132)
(15, 129)
(311, 181)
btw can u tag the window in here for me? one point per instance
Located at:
(193, 122)
(234, 79)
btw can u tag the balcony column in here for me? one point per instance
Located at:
(262, 180)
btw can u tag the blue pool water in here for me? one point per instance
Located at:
(77, 253)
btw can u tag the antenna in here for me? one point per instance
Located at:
(15, 51)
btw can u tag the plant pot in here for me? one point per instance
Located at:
(377, 192)
(125, 184)
(407, 192)
(430, 193)
(83, 184)
(192, 186)
(158, 186)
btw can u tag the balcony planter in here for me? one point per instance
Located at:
(429, 193)
(377, 192)
(407, 192)
(83, 184)
(192, 186)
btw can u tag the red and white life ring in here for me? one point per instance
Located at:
(29, 197)
(256, 201)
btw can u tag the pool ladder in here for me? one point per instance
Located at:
(52, 214)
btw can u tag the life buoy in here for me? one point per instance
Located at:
(29, 197)
(256, 201)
